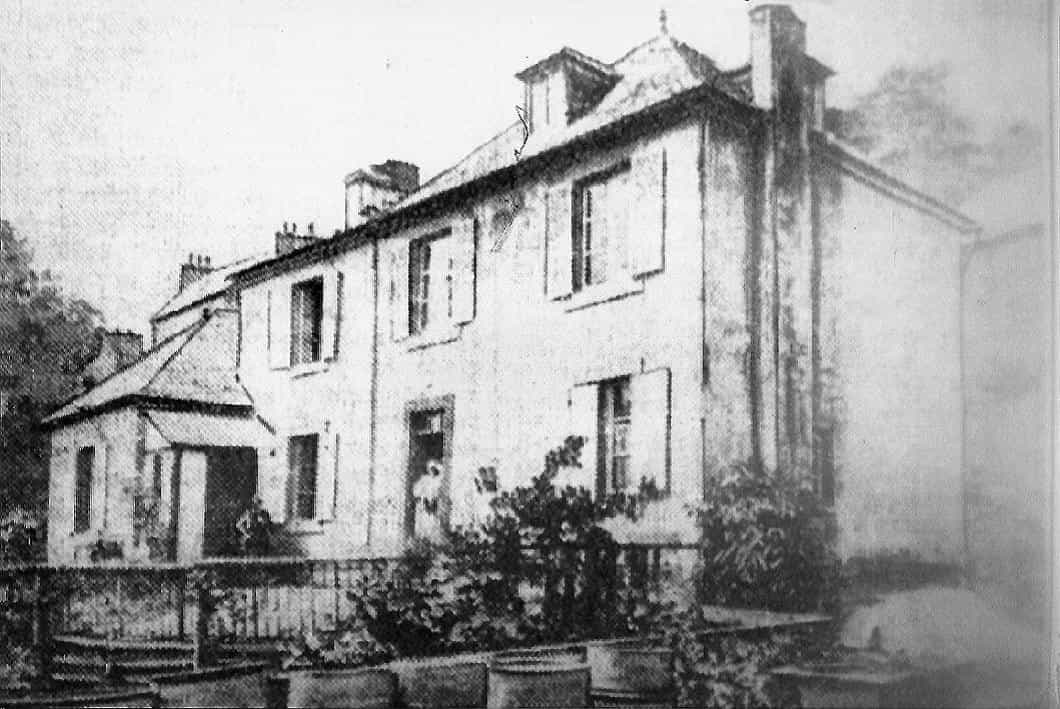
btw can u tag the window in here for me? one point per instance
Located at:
(615, 411)
(430, 281)
(83, 490)
(599, 238)
(307, 311)
(302, 463)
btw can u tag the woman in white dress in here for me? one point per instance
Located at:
(426, 494)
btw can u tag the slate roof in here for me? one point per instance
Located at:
(198, 364)
(657, 70)
(208, 286)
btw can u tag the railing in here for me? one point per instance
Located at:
(270, 599)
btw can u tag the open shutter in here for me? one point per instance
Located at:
(399, 292)
(280, 328)
(647, 224)
(650, 428)
(583, 422)
(558, 242)
(273, 487)
(98, 495)
(463, 250)
(329, 326)
(327, 463)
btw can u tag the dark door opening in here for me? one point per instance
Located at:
(231, 484)
(430, 431)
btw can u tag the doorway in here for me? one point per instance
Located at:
(231, 484)
(430, 426)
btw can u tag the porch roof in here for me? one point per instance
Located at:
(196, 429)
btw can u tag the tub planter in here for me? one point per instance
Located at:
(241, 685)
(133, 696)
(441, 684)
(552, 682)
(857, 685)
(630, 672)
(358, 689)
(563, 655)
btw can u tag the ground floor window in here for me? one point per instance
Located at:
(302, 454)
(83, 489)
(615, 411)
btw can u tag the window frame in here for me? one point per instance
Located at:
(298, 334)
(421, 297)
(609, 423)
(580, 206)
(84, 472)
(303, 496)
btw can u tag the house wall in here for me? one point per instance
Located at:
(1006, 350)
(114, 435)
(890, 369)
(330, 398)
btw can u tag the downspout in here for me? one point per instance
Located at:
(704, 361)
(373, 396)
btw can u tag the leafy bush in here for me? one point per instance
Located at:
(21, 537)
(767, 542)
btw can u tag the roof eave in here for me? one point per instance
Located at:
(145, 401)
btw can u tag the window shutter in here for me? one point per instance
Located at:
(650, 428)
(583, 422)
(463, 249)
(558, 242)
(280, 328)
(98, 493)
(399, 293)
(273, 486)
(327, 464)
(647, 198)
(329, 326)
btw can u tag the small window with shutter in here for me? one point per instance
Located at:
(599, 239)
(302, 454)
(83, 489)
(440, 281)
(307, 316)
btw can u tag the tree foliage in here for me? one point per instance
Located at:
(46, 338)
(909, 123)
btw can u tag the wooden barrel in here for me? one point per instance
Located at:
(630, 673)
(537, 684)
(356, 689)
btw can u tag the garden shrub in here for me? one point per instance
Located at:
(21, 537)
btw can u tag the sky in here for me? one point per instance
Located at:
(134, 133)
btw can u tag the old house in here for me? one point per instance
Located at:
(668, 258)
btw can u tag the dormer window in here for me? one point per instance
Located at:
(563, 87)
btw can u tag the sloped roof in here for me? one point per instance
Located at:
(192, 428)
(198, 364)
(657, 70)
(208, 286)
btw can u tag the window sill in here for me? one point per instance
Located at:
(437, 336)
(611, 290)
(307, 368)
(303, 527)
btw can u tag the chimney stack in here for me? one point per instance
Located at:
(375, 189)
(289, 240)
(196, 267)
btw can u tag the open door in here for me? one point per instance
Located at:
(231, 483)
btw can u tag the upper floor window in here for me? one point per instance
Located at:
(302, 456)
(307, 312)
(432, 281)
(606, 228)
(83, 489)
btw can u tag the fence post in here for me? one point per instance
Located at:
(42, 640)
(201, 594)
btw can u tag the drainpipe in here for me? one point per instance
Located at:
(373, 393)
(703, 363)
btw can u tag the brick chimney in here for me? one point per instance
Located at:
(196, 267)
(782, 74)
(375, 189)
(288, 239)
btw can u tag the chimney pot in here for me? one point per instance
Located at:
(294, 228)
(311, 228)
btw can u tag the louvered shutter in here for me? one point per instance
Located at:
(329, 325)
(463, 250)
(647, 223)
(583, 422)
(327, 463)
(98, 496)
(273, 483)
(399, 292)
(280, 328)
(650, 427)
(618, 224)
(558, 242)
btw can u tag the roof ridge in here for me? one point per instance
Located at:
(201, 324)
(464, 157)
